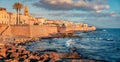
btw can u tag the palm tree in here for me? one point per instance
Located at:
(18, 6)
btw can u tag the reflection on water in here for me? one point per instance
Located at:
(103, 44)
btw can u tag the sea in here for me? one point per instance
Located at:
(102, 44)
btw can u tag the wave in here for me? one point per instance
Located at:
(103, 44)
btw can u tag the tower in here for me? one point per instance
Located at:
(26, 11)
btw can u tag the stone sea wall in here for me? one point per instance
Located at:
(5, 30)
(76, 28)
(41, 31)
(34, 31)
(20, 31)
(28, 31)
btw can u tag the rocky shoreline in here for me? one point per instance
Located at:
(16, 53)
(11, 53)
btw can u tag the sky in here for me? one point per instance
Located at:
(100, 13)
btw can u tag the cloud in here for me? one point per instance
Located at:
(81, 14)
(78, 16)
(96, 5)
(72, 14)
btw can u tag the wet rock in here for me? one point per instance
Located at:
(24, 56)
(33, 60)
(54, 56)
(26, 60)
(73, 55)
(11, 53)
(9, 60)
(44, 57)
(69, 55)
(3, 51)
(21, 59)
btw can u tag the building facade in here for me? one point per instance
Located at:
(4, 16)
(11, 18)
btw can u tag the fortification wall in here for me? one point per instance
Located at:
(41, 31)
(2, 28)
(76, 28)
(38, 31)
(20, 30)
(90, 28)
(28, 31)
(5, 30)
(70, 28)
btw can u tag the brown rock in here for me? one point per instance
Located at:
(3, 51)
(54, 56)
(26, 60)
(31, 56)
(52, 60)
(73, 55)
(24, 56)
(9, 60)
(40, 61)
(44, 57)
(26, 52)
(14, 60)
(2, 45)
(14, 55)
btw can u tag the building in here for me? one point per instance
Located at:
(4, 16)
(41, 20)
(11, 18)
(67, 23)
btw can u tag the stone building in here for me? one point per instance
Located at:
(11, 18)
(41, 20)
(4, 16)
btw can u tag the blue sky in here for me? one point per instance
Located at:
(101, 13)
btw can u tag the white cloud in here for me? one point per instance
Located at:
(73, 4)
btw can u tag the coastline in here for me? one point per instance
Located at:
(16, 38)
(59, 31)
(15, 53)
(49, 56)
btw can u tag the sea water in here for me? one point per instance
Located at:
(102, 44)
